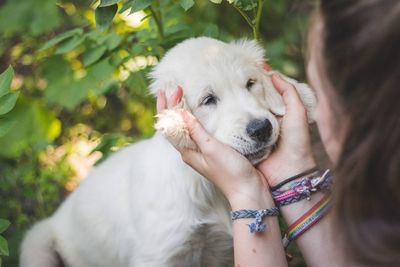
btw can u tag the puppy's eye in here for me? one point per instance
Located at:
(250, 83)
(209, 100)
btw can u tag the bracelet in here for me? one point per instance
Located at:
(314, 169)
(302, 188)
(256, 226)
(310, 218)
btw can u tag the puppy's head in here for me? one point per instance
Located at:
(227, 89)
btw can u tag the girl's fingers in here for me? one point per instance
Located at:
(288, 92)
(164, 103)
(199, 135)
(161, 101)
(267, 67)
(175, 97)
(193, 158)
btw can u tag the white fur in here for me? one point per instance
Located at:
(223, 68)
(143, 206)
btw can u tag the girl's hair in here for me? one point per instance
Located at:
(361, 61)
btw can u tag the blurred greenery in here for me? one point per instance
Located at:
(81, 75)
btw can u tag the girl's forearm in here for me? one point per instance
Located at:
(257, 249)
(319, 245)
(260, 249)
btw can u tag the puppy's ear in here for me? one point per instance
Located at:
(274, 99)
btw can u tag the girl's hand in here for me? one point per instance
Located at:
(293, 154)
(242, 184)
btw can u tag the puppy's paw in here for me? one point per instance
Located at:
(171, 125)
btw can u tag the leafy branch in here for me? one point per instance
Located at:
(7, 103)
(4, 224)
(253, 6)
(7, 100)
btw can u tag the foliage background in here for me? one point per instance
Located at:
(83, 91)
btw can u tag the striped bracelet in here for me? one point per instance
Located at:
(302, 188)
(256, 226)
(305, 222)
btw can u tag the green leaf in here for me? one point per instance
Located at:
(104, 3)
(211, 31)
(70, 44)
(34, 126)
(3, 247)
(136, 5)
(7, 102)
(5, 125)
(29, 17)
(61, 37)
(216, 1)
(5, 81)
(186, 4)
(113, 40)
(63, 90)
(104, 16)
(93, 55)
(4, 224)
(245, 5)
(137, 83)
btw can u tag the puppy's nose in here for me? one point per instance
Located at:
(259, 130)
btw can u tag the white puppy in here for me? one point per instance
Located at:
(143, 206)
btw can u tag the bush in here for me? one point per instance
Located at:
(81, 75)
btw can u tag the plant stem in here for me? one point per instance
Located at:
(254, 24)
(256, 28)
(244, 15)
(158, 20)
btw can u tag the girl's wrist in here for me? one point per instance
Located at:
(253, 199)
(277, 174)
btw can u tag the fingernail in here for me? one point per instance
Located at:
(277, 76)
(179, 90)
(175, 91)
(267, 67)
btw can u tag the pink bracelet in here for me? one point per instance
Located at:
(302, 188)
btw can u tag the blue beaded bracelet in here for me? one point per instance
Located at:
(256, 226)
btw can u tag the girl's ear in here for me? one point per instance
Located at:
(274, 99)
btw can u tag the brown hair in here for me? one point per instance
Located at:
(361, 61)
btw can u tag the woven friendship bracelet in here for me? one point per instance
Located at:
(302, 188)
(305, 222)
(297, 176)
(256, 226)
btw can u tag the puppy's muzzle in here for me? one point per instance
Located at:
(259, 130)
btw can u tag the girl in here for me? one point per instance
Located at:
(354, 66)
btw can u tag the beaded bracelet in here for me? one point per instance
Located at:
(310, 218)
(302, 188)
(256, 226)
